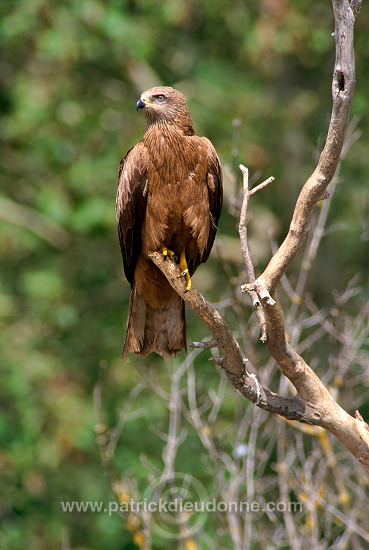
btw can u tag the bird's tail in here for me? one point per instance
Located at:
(159, 329)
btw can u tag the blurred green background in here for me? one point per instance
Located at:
(71, 73)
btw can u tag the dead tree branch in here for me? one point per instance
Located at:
(315, 189)
(312, 403)
(242, 229)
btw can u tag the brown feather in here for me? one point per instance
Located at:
(169, 194)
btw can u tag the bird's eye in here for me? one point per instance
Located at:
(160, 97)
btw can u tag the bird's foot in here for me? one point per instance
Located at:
(166, 252)
(185, 273)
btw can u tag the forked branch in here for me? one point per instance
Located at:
(315, 189)
(312, 403)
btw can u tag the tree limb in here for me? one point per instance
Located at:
(312, 403)
(242, 230)
(314, 190)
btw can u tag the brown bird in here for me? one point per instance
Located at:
(169, 199)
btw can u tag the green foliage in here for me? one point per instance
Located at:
(71, 75)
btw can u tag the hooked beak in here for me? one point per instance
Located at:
(140, 104)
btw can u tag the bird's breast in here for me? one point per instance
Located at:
(177, 210)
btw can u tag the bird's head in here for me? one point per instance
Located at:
(165, 105)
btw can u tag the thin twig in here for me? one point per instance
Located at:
(242, 229)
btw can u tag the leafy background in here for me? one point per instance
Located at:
(70, 77)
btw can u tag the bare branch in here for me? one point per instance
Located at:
(314, 189)
(312, 403)
(205, 344)
(242, 230)
(261, 185)
(207, 312)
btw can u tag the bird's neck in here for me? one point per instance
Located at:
(160, 137)
(184, 128)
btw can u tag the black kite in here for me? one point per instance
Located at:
(169, 199)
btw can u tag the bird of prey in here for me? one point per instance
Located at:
(169, 200)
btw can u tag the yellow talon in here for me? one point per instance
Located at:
(185, 273)
(166, 252)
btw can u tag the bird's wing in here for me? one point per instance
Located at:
(215, 190)
(215, 194)
(131, 205)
